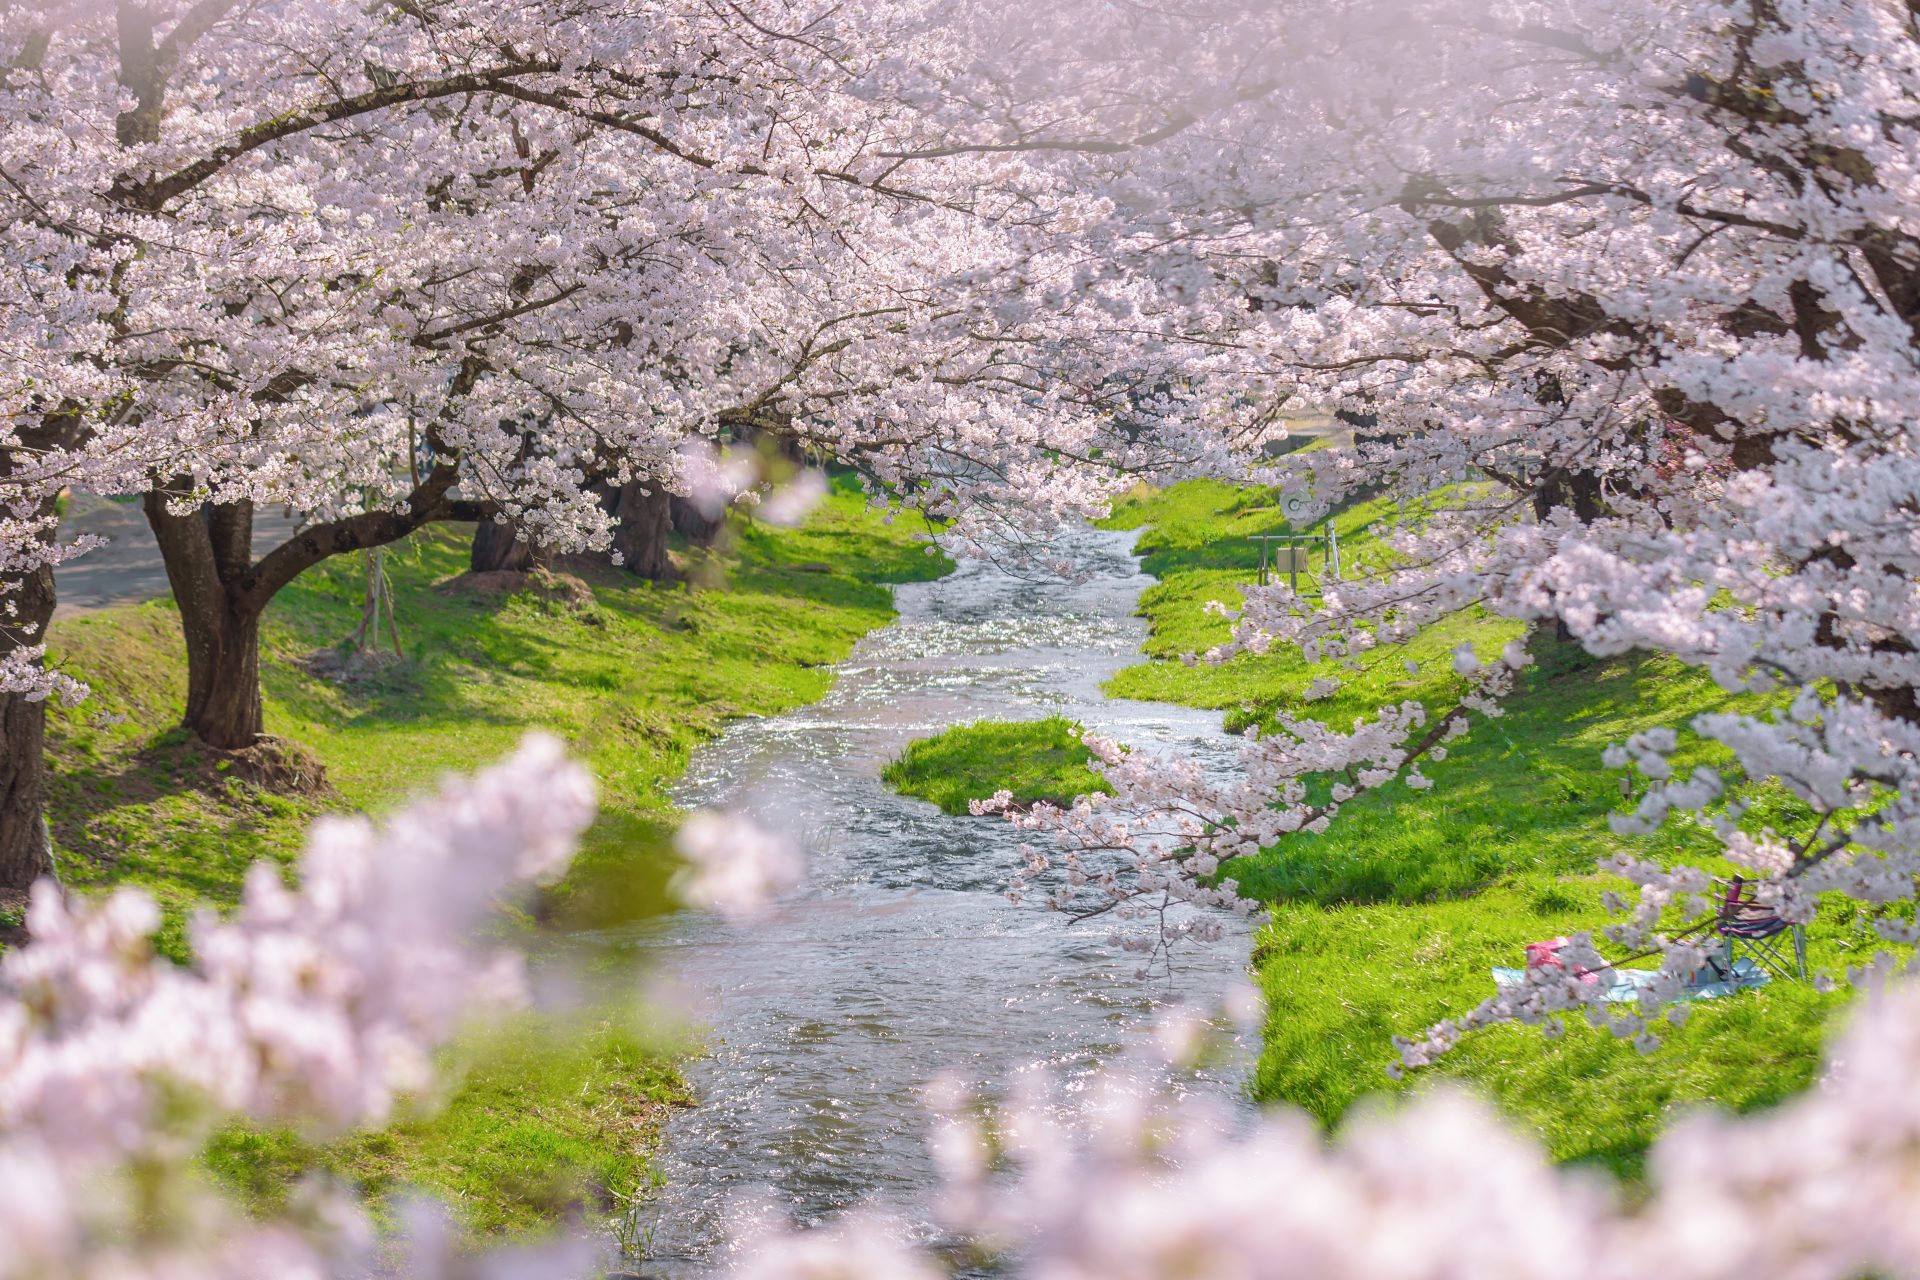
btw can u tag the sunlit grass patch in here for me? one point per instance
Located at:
(1034, 759)
(1391, 920)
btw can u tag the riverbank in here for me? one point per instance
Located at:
(633, 675)
(898, 959)
(1390, 921)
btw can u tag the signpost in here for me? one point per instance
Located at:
(1298, 550)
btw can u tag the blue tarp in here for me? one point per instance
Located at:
(1626, 985)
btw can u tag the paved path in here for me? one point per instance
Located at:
(128, 569)
(1312, 424)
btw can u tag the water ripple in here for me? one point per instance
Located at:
(899, 958)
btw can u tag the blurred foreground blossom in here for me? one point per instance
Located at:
(314, 1005)
(734, 866)
(855, 1248)
(311, 1006)
(1129, 1177)
(790, 503)
(714, 479)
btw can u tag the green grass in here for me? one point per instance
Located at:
(1034, 759)
(1341, 982)
(551, 1118)
(1390, 921)
(1194, 539)
(634, 682)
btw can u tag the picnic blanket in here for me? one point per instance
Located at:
(1624, 985)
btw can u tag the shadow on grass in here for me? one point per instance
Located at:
(1523, 793)
(633, 682)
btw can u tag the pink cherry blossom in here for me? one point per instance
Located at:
(734, 866)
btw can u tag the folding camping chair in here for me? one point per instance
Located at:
(1752, 936)
(1746, 925)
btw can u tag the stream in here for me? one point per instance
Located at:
(899, 958)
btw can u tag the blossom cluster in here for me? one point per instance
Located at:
(308, 253)
(314, 1005)
(1137, 1179)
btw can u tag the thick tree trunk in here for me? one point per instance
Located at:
(693, 524)
(223, 678)
(206, 552)
(222, 591)
(26, 854)
(640, 537)
(498, 547)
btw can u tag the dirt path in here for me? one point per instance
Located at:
(127, 570)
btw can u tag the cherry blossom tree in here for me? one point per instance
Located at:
(402, 263)
(1651, 270)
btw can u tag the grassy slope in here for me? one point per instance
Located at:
(633, 683)
(1195, 542)
(1390, 921)
(1034, 759)
(548, 1119)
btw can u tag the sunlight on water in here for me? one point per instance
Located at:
(900, 959)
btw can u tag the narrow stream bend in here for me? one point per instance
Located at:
(900, 958)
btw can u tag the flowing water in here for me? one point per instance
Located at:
(900, 959)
